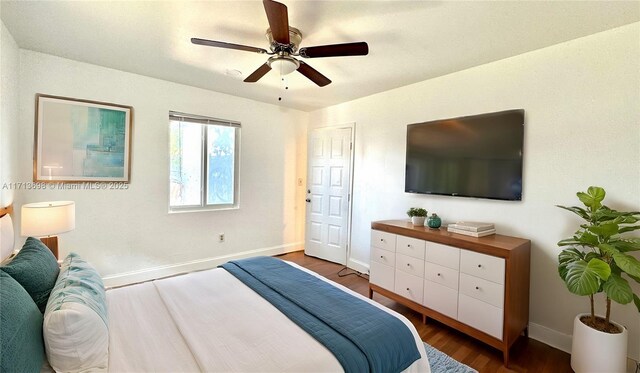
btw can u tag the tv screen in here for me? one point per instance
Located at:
(477, 156)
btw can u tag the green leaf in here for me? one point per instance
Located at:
(588, 238)
(604, 230)
(569, 241)
(577, 210)
(635, 278)
(618, 289)
(584, 278)
(627, 263)
(590, 256)
(592, 198)
(636, 301)
(626, 244)
(629, 228)
(608, 249)
(566, 257)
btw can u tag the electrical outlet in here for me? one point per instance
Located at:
(221, 237)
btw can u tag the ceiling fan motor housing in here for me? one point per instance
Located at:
(295, 38)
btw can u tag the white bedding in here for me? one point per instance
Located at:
(210, 321)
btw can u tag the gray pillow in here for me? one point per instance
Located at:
(21, 342)
(36, 269)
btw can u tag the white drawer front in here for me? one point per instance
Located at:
(383, 240)
(486, 291)
(441, 275)
(383, 256)
(480, 315)
(447, 256)
(441, 298)
(409, 286)
(410, 246)
(481, 265)
(410, 264)
(382, 275)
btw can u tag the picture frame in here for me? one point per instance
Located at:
(80, 140)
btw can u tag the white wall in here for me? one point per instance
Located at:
(9, 71)
(121, 231)
(581, 101)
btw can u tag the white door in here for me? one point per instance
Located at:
(328, 199)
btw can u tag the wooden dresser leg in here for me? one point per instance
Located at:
(424, 319)
(526, 332)
(370, 293)
(505, 357)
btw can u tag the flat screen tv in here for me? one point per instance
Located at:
(477, 156)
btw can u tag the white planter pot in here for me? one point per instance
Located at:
(594, 351)
(417, 220)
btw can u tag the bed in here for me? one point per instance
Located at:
(213, 321)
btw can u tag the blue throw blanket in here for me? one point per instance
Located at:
(362, 337)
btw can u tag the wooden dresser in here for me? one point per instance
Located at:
(479, 286)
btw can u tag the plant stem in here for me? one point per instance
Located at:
(608, 310)
(593, 312)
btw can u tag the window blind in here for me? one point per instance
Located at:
(182, 117)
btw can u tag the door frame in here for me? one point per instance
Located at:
(352, 126)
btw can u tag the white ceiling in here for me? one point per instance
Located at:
(409, 41)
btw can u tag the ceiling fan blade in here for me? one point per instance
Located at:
(335, 50)
(256, 75)
(313, 74)
(221, 44)
(278, 20)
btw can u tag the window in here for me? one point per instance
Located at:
(203, 171)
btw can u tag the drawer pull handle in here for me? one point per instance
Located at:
(408, 265)
(479, 265)
(407, 289)
(477, 287)
(381, 256)
(408, 245)
(438, 274)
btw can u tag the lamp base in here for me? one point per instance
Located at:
(52, 244)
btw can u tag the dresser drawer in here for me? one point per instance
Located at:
(442, 254)
(383, 256)
(382, 275)
(480, 315)
(481, 265)
(410, 246)
(486, 291)
(441, 299)
(383, 240)
(409, 286)
(410, 264)
(441, 275)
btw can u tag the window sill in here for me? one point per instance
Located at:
(201, 209)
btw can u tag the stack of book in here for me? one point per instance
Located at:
(470, 228)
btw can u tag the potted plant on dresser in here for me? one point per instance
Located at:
(417, 215)
(595, 260)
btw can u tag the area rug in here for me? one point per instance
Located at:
(443, 363)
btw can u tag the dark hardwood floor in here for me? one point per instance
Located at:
(527, 355)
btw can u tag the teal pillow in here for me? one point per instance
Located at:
(36, 269)
(20, 329)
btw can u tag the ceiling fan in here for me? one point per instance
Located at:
(284, 41)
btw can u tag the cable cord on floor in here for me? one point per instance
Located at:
(353, 272)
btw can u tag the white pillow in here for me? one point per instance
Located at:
(76, 339)
(75, 327)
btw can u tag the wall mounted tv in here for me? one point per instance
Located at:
(477, 156)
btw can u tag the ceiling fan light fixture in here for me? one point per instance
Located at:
(283, 64)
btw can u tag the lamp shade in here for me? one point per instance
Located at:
(48, 218)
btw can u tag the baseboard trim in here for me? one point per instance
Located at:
(148, 274)
(359, 266)
(551, 337)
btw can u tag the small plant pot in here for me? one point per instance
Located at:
(417, 220)
(594, 351)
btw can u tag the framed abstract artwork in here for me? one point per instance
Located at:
(81, 140)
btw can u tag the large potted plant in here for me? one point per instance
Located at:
(595, 260)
